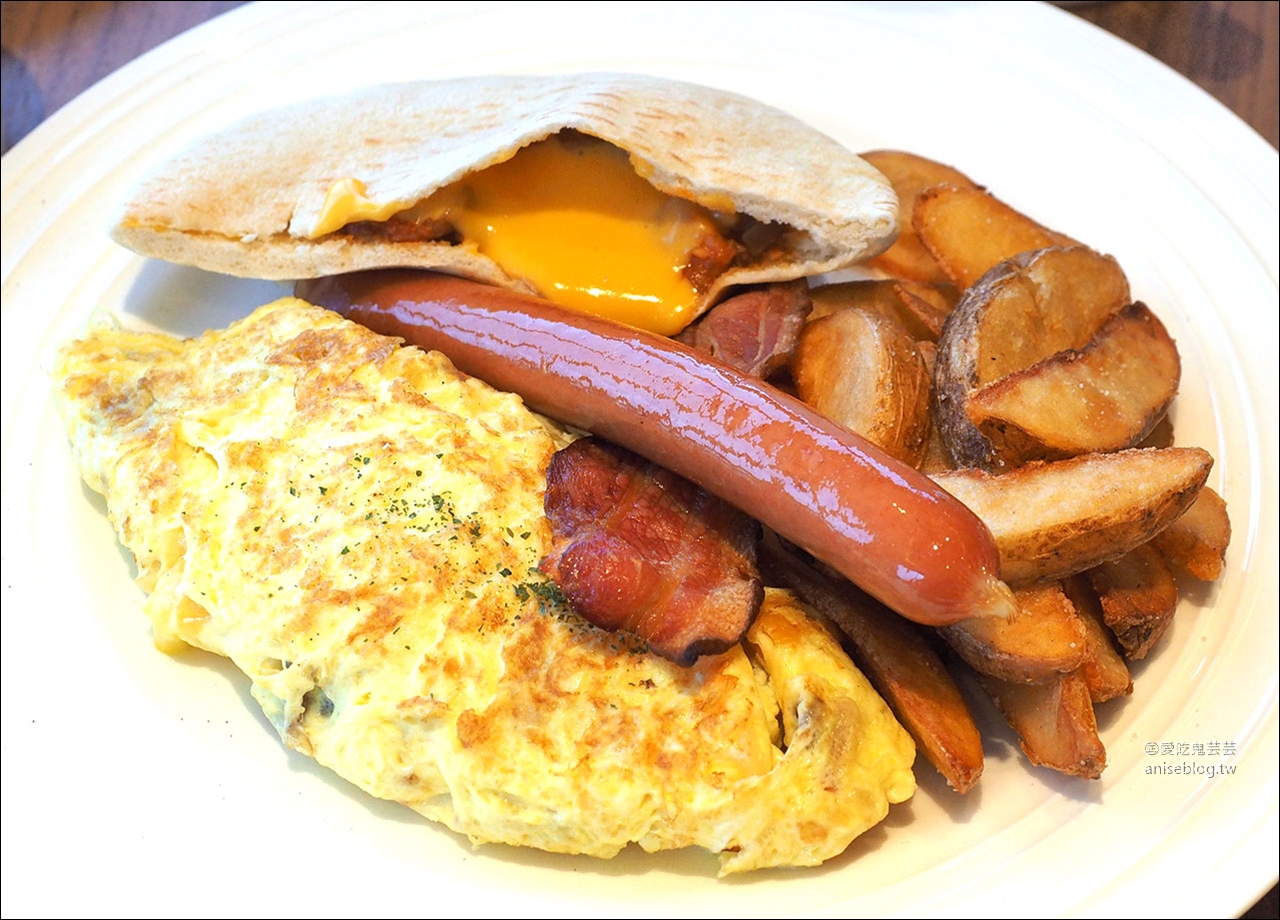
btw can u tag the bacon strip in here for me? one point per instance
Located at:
(640, 549)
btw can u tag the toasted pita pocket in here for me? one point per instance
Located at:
(247, 201)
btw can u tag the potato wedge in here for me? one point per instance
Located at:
(872, 296)
(943, 297)
(936, 459)
(1104, 670)
(1024, 311)
(897, 659)
(1036, 305)
(1106, 396)
(922, 310)
(1051, 520)
(1055, 722)
(1197, 542)
(910, 174)
(863, 371)
(1139, 597)
(1044, 640)
(969, 231)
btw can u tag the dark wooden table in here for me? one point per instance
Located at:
(52, 51)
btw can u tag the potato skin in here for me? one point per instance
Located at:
(1055, 722)
(953, 375)
(1139, 597)
(911, 174)
(1051, 520)
(862, 370)
(968, 231)
(1196, 543)
(1023, 311)
(1106, 396)
(1042, 641)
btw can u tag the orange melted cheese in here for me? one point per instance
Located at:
(571, 216)
(347, 202)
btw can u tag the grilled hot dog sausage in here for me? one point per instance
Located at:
(878, 522)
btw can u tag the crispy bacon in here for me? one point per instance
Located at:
(755, 332)
(641, 549)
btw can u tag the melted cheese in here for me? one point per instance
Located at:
(347, 202)
(571, 216)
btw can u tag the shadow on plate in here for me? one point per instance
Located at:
(186, 301)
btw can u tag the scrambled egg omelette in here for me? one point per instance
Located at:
(357, 526)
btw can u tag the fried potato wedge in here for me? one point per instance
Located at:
(1051, 520)
(1023, 311)
(1139, 597)
(921, 309)
(1055, 722)
(936, 459)
(942, 297)
(1045, 639)
(1035, 305)
(910, 174)
(1197, 542)
(897, 659)
(1106, 396)
(1104, 670)
(861, 370)
(968, 231)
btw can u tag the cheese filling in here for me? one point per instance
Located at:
(570, 216)
(347, 202)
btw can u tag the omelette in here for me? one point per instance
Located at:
(358, 527)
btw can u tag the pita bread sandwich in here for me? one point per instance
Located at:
(548, 184)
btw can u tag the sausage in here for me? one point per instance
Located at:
(879, 523)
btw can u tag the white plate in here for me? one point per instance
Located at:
(138, 784)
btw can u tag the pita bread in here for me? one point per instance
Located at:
(245, 201)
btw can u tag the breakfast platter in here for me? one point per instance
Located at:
(135, 781)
